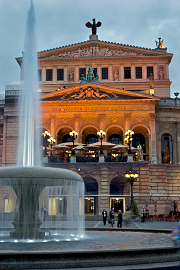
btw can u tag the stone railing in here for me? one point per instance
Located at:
(169, 102)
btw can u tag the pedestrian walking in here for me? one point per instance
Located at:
(119, 223)
(104, 215)
(142, 214)
(111, 216)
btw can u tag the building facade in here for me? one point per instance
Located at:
(130, 90)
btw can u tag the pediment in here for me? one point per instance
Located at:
(98, 49)
(92, 91)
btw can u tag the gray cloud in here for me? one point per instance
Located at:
(62, 22)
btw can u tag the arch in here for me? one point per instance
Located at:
(63, 127)
(89, 126)
(142, 125)
(173, 144)
(89, 131)
(63, 134)
(114, 127)
(91, 189)
(142, 135)
(166, 148)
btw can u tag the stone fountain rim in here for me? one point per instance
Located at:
(38, 172)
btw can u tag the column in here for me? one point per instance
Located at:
(110, 71)
(144, 72)
(4, 141)
(99, 72)
(54, 74)
(167, 72)
(156, 72)
(121, 72)
(103, 201)
(43, 74)
(77, 118)
(178, 142)
(127, 117)
(76, 74)
(153, 139)
(53, 121)
(133, 73)
(65, 74)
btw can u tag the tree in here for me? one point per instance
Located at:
(135, 209)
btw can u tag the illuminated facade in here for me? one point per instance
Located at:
(131, 91)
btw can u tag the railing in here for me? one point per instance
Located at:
(86, 159)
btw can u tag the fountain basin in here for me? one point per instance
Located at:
(59, 191)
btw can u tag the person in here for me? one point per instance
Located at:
(142, 214)
(119, 219)
(104, 215)
(111, 216)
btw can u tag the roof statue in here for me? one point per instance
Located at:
(93, 26)
(160, 43)
(151, 81)
(90, 75)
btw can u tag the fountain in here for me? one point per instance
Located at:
(45, 203)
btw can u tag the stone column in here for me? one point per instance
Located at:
(77, 118)
(53, 121)
(99, 72)
(4, 141)
(156, 72)
(178, 142)
(127, 117)
(76, 74)
(153, 139)
(65, 74)
(133, 73)
(167, 72)
(54, 74)
(144, 72)
(43, 75)
(122, 72)
(110, 71)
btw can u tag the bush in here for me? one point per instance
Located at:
(135, 209)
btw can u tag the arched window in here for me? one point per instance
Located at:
(91, 138)
(166, 148)
(66, 138)
(139, 139)
(115, 138)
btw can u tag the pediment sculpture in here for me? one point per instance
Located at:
(89, 93)
(95, 50)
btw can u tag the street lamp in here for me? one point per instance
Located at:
(101, 135)
(73, 135)
(129, 139)
(46, 135)
(51, 140)
(131, 176)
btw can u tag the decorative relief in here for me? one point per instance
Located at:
(166, 126)
(127, 116)
(89, 93)
(116, 74)
(95, 50)
(71, 75)
(161, 73)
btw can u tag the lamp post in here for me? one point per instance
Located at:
(73, 135)
(46, 135)
(129, 139)
(131, 176)
(101, 135)
(51, 140)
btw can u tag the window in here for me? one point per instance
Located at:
(49, 73)
(166, 149)
(149, 71)
(127, 73)
(115, 138)
(104, 73)
(82, 71)
(95, 72)
(138, 72)
(139, 139)
(91, 138)
(66, 138)
(39, 74)
(60, 74)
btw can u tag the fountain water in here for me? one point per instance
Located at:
(32, 189)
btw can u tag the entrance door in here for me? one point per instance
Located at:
(89, 206)
(118, 204)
